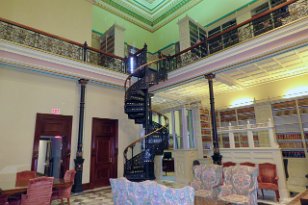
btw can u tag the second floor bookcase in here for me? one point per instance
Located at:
(291, 126)
(270, 21)
(227, 39)
(197, 34)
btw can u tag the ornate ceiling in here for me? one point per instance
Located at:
(236, 79)
(148, 14)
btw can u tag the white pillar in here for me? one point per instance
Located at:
(186, 144)
(118, 40)
(231, 136)
(251, 143)
(184, 33)
(173, 130)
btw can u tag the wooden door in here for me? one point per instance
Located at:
(104, 151)
(53, 125)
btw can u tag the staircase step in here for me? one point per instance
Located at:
(136, 115)
(138, 98)
(134, 109)
(140, 120)
(134, 104)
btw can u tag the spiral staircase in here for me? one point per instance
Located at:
(139, 155)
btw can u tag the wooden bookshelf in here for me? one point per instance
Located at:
(288, 127)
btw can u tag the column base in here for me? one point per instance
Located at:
(216, 157)
(77, 186)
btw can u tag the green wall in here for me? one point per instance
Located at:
(134, 35)
(206, 12)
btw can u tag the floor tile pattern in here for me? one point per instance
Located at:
(97, 197)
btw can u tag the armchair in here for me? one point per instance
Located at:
(241, 186)
(207, 180)
(62, 193)
(38, 192)
(268, 178)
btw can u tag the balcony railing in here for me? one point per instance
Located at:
(280, 15)
(275, 17)
(21, 34)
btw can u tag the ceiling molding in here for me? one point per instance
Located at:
(145, 17)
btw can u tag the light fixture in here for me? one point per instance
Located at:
(131, 64)
(296, 92)
(242, 102)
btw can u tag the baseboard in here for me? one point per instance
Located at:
(86, 186)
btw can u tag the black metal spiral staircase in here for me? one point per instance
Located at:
(139, 155)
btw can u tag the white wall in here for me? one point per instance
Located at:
(23, 94)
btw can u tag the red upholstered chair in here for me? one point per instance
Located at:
(22, 178)
(250, 164)
(228, 164)
(268, 178)
(3, 200)
(38, 192)
(62, 193)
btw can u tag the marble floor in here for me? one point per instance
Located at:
(93, 197)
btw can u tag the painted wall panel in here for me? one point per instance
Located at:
(24, 94)
(70, 19)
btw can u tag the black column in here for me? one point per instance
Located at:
(77, 187)
(216, 156)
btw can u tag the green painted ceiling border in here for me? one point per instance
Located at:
(127, 11)
(141, 18)
(137, 2)
(97, 32)
(173, 9)
(230, 13)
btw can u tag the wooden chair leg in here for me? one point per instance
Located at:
(68, 201)
(62, 201)
(277, 195)
(262, 193)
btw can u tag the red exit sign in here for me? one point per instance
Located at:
(56, 111)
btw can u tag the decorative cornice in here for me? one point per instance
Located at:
(148, 21)
(29, 58)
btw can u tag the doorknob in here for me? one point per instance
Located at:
(110, 159)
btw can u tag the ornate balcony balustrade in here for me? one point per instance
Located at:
(34, 38)
(275, 17)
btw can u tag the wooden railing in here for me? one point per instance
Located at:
(275, 17)
(22, 34)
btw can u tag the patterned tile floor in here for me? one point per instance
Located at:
(96, 197)
(101, 196)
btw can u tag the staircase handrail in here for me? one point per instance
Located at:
(147, 135)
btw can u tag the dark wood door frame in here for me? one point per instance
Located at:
(114, 152)
(53, 125)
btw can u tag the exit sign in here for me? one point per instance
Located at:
(56, 111)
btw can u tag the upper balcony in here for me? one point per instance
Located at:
(281, 27)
